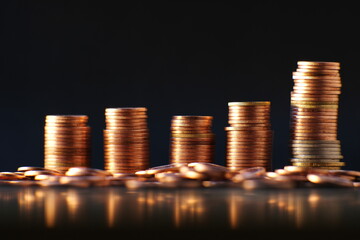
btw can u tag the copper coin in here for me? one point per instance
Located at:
(182, 128)
(314, 87)
(66, 118)
(193, 135)
(250, 103)
(313, 138)
(189, 140)
(307, 100)
(191, 156)
(249, 148)
(297, 109)
(248, 112)
(192, 117)
(240, 123)
(126, 110)
(317, 71)
(249, 163)
(315, 113)
(126, 121)
(313, 116)
(315, 126)
(248, 153)
(319, 65)
(314, 73)
(249, 109)
(250, 117)
(235, 140)
(248, 128)
(115, 126)
(313, 131)
(190, 132)
(67, 129)
(249, 133)
(312, 120)
(316, 83)
(326, 77)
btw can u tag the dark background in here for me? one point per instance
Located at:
(79, 57)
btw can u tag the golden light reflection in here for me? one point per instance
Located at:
(51, 206)
(176, 208)
(73, 203)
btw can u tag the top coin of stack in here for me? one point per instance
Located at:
(191, 139)
(126, 140)
(314, 114)
(67, 142)
(249, 136)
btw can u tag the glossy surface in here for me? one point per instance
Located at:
(204, 211)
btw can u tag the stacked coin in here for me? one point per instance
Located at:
(67, 142)
(314, 114)
(191, 139)
(249, 136)
(126, 140)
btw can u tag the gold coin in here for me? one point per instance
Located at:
(319, 164)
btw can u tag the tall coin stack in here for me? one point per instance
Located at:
(314, 114)
(249, 136)
(66, 142)
(126, 140)
(192, 139)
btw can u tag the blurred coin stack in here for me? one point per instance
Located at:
(66, 142)
(314, 114)
(192, 139)
(249, 136)
(126, 140)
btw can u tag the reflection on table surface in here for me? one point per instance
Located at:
(216, 208)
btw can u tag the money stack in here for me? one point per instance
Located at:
(66, 142)
(126, 140)
(191, 139)
(314, 114)
(249, 136)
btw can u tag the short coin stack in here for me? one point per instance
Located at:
(314, 114)
(191, 139)
(66, 142)
(249, 136)
(126, 140)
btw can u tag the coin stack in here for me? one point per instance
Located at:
(191, 139)
(249, 136)
(126, 140)
(67, 142)
(314, 114)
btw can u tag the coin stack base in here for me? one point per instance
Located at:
(314, 103)
(249, 136)
(67, 142)
(191, 139)
(126, 140)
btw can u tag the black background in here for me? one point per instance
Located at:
(175, 58)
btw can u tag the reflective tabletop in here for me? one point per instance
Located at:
(185, 211)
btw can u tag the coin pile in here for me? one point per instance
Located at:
(249, 136)
(191, 139)
(126, 140)
(66, 142)
(314, 114)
